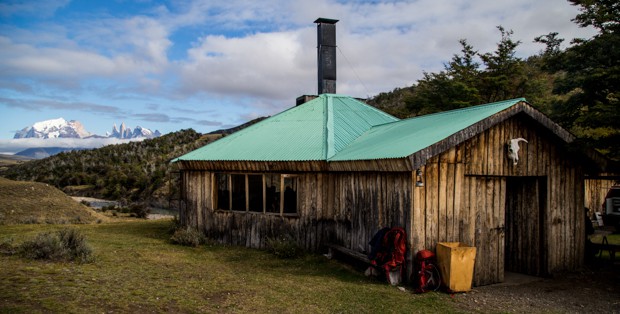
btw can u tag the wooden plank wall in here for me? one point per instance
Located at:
(464, 198)
(342, 208)
(595, 192)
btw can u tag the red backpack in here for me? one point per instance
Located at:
(390, 256)
(426, 274)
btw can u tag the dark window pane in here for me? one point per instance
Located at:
(222, 200)
(272, 187)
(290, 195)
(238, 192)
(255, 192)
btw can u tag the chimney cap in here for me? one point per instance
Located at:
(324, 20)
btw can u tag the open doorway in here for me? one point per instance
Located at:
(526, 201)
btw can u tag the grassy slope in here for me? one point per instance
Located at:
(32, 202)
(137, 270)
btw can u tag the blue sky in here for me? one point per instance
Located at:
(206, 65)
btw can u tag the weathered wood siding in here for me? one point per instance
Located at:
(465, 198)
(465, 195)
(342, 208)
(595, 191)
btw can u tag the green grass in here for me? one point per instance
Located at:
(136, 269)
(611, 238)
(40, 203)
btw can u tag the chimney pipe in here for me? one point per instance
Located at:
(326, 35)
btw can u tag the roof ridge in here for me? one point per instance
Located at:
(471, 108)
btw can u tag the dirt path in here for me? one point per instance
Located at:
(596, 290)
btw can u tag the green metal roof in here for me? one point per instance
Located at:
(315, 130)
(405, 137)
(340, 128)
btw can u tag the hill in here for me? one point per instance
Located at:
(43, 152)
(135, 172)
(33, 202)
(11, 160)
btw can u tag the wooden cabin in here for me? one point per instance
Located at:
(335, 170)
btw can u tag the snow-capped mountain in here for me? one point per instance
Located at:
(55, 128)
(60, 128)
(125, 132)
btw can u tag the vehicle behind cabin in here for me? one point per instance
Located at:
(611, 207)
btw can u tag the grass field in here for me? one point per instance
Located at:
(137, 270)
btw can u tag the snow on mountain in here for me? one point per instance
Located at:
(54, 128)
(126, 132)
(60, 128)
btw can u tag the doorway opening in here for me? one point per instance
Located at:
(524, 248)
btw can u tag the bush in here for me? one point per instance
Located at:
(175, 224)
(283, 246)
(140, 210)
(188, 237)
(65, 244)
(7, 247)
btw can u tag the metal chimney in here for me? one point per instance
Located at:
(326, 35)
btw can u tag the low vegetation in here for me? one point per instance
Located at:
(137, 269)
(187, 237)
(284, 246)
(36, 203)
(61, 245)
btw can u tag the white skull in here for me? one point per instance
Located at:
(513, 149)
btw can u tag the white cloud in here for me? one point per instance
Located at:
(248, 58)
(269, 65)
(12, 146)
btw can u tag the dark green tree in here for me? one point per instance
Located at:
(591, 78)
(505, 76)
(454, 87)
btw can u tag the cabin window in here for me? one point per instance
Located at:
(222, 197)
(261, 193)
(255, 192)
(272, 193)
(238, 192)
(290, 194)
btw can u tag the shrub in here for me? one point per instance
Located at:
(65, 244)
(7, 247)
(187, 237)
(283, 246)
(140, 210)
(175, 224)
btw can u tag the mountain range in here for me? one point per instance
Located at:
(61, 128)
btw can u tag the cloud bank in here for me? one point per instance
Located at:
(13, 146)
(156, 63)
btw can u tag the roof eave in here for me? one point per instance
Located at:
(420, 157)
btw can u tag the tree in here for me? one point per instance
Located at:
(504, 77)
(591, 82)
(462, 83)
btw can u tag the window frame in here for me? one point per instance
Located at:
(281, 198)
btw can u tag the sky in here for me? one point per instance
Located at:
(211, 64)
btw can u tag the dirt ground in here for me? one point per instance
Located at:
(595, 289)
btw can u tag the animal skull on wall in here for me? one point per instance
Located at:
(513, 149)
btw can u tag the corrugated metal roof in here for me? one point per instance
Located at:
(406, 137)
(316, 130)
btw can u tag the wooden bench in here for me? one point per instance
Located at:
(394, 276)
(334, 248)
